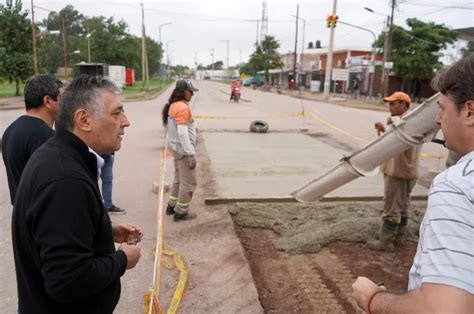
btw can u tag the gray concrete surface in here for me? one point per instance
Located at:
(275, 164)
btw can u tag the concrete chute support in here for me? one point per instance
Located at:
(415, 128)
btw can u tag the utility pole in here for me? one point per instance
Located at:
(168, 56)
(212, 62)
(227, 54)
(387, 51)
(302, 50)
(33, 32)
(264, 26)
(328, 72)
(88, 43)
(159, 29)
(64, 47)
(144, 54)
(296, 44)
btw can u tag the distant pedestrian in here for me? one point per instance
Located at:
(356, 87)
(441, 279)
(63, 239)
(30, 131)
(182, 141)
(107, 176)
(400, 174)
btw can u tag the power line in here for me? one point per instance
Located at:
(438, 6)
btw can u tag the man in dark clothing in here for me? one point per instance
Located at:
(30, 131)
(63, 239)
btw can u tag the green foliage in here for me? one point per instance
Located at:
(265, 56)
(16, 53)
(218, 65)
(413, 50)
(109, 42)
(468, 50)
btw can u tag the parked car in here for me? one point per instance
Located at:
(252, 80)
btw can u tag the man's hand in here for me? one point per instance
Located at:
(362, 289)
(380, 128)
(192, 161)
(128, 233)
(133, 253)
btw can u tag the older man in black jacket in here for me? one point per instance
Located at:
(63, 238)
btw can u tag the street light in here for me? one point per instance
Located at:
(212, 62)
(63, 35)
(386, 48)
(47, 33)
(159, 29)
(372, 11)
(302, 48)
(226, 40)
(168, 56)
(372, 61)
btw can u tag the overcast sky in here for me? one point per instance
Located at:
(201, 25)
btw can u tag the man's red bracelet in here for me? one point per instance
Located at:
(372, 298)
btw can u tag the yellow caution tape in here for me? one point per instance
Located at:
(183, 278)
(286, 115)
(321, 120)
(151, 300)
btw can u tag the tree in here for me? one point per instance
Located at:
(51, 48)
(218, 65)
(16, 53)
(109, 41)
(414, 50)
(265, 56)
(468, 50)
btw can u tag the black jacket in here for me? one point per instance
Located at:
(63, 245)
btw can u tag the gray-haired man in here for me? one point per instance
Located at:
(63, 239)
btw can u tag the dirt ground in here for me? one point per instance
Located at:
(319, 282)
(304, 259)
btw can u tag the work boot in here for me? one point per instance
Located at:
(402, 233)
(186, 216)
(169, 210)
(389, 232)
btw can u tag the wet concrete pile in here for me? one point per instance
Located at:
(308, 228)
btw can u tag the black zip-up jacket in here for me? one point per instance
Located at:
(63, 245)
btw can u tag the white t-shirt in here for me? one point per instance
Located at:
(445, 253)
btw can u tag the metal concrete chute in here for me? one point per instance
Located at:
(415, 128)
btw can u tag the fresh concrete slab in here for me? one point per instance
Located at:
(272, 165)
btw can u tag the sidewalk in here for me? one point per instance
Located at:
(10, 103)
(362, 102)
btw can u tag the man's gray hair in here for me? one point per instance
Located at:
(84, 92)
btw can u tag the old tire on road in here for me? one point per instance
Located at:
(259, 126)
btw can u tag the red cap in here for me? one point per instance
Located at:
(398, 96)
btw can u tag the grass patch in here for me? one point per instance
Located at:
(154, 86)
(7, 89)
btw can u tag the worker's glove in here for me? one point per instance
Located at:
(192, 161)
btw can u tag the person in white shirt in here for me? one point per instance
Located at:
(441, 279)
